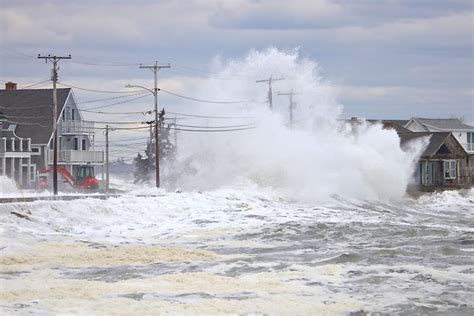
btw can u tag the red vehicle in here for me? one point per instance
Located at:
(84, 180)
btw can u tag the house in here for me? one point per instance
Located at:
(27, 112)
(15, 156)
(444, 163)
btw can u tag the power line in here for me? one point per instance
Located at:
(19, 53)
(35, 84)
(25, 108)
(26, 123)
(120, 139)
(212, 131)
(104, 64)
(208, 116)
(116, 103)
(95, 90)
(216, 127)
(113, 122)
(22, 116)
(112, 98)
(201, 100)
(118, 113)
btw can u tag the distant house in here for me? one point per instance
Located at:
(28, 113)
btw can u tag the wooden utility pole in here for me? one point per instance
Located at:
(270, 94)
(292, 104)
(106, 159)
(155, 69)
(175, 136)
(54, 60)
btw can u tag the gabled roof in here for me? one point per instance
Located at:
(31, 110)
(436, 140)
(452, 124)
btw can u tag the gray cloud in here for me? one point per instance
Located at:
(317, 14)
(388, 55)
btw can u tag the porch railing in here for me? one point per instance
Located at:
(77, 127)
(78, 156)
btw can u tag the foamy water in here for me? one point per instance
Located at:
(238, 251)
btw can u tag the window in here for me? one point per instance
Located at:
(84, 144)
(76, 143)
(72, 114)
(60, 143)
(449, 167)
(470, 141)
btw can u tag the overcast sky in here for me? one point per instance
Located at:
(388, 58)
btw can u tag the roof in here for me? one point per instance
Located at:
(436, 140)
(31, 110)
(450, 124)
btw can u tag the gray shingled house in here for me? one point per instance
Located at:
(27, 112)
(445, 162)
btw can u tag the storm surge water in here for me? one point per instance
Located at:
(315, 156)
(308, 219)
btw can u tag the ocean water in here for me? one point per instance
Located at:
(276, 220)
(239, 251)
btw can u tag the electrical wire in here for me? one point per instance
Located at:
(30, 85)
(27, 123)
(118, 113)
(17, 52)
(114, 122)
(212, 131)
(112, 98)
(207, 116)
(99, 91)
(118, 140)
(25, 108)
(215, 127)
(201, 100)
(102, 64)
(22, 116)
(116, 103)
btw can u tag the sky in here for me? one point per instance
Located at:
(386, 58)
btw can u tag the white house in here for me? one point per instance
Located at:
(28, 113)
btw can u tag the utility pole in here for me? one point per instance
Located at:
(292, 104)
(155, 69)
(270, 95)
(54, 60)
(106, 159)
(149, 145)
(175, 136)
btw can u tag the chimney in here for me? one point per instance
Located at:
(10, 85)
